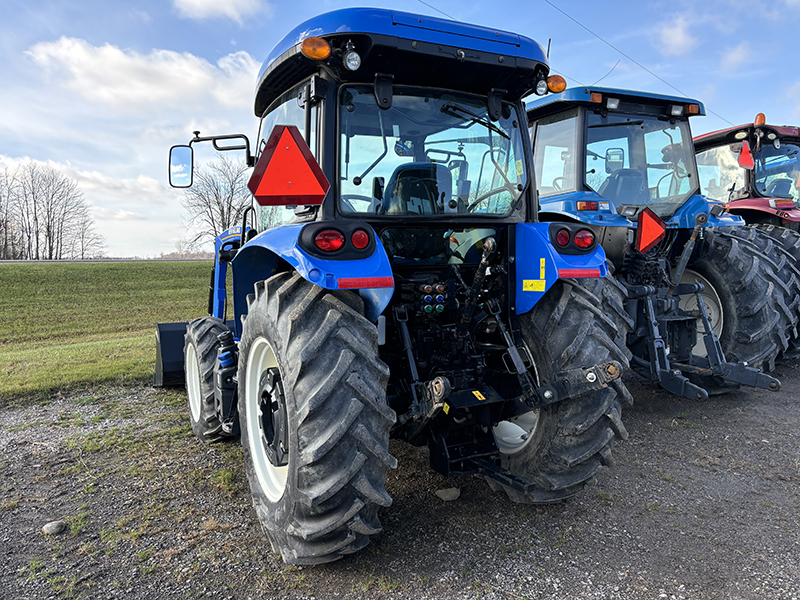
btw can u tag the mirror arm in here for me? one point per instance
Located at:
(251, 161)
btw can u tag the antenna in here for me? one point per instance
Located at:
(548, 47)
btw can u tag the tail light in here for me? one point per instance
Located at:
(562, 237)
(360, 239)
(329, 240)
(584, 239)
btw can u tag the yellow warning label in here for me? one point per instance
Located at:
(520, 168)
(478, 395)
(533, 285)
(446, 409)
(541, 268)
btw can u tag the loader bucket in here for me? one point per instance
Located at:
(169, 355)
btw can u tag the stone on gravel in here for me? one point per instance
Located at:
(54, 527)
(449, 494)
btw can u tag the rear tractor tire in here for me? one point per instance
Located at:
(745, 296)
(315, 420)
(200, 357)
(561, 446)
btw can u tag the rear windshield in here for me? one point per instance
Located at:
(432, 153)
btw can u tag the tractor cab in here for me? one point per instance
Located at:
(755, 170)
(606, 157)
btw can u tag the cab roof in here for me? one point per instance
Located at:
(630, 100)
(728, 136)
(386, 38)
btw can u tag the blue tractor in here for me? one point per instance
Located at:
(710, 303)
(392, 280)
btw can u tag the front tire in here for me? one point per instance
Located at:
(560, 447)
(315, 420)
(200, 357)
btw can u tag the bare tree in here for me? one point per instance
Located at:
(85, 241)
(9, 236)
(50, 215)
(216, 200)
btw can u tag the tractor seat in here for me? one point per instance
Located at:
(624, 186)
(417, 189)
(780, 187)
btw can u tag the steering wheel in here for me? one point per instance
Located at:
(510, 187)
(558, 184)
(347, 201)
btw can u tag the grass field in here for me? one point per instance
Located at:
(68, 326)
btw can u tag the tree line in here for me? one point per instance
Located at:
(43, 216)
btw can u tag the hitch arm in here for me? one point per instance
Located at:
(715, 360)
(699, 221)
(670, 379)
(489, 246)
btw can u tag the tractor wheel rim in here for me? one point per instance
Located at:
(713, 306)
(513, 435)
(272, 479)
(192, 371)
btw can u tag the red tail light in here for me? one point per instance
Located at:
(360, 239)
(584, 239)
(562, 237)
(329, 240)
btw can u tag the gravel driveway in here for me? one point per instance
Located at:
(701, 503)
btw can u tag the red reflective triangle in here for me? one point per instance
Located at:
(651, 230)
(287, 174)
(746, 157)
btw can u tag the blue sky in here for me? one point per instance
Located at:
(102, 89)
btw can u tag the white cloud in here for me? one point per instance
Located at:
(737, 57)
(207, 9)
(126, 79)
(142, 187)
(675, 37)
(105, 214)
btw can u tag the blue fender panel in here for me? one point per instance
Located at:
(684, 217)
(261, 257)
(566, 205)
(539, 265)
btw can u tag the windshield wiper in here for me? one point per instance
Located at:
(616, 124)
(454, 109)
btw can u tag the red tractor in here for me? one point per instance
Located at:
(755, 170)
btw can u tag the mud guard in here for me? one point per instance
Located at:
(539, 265)
(264, 255)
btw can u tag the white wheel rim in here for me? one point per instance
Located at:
(272, 479)
(713, 306)
(192, 371)
(512, 436)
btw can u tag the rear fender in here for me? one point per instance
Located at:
(768, 206)
(274, 249)
(566, 206)
(685, 215)
(539, 265)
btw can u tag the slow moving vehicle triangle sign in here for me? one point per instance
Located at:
(651, 230)
(287, 174)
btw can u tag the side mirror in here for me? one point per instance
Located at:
(615, 159)
(181, 166)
